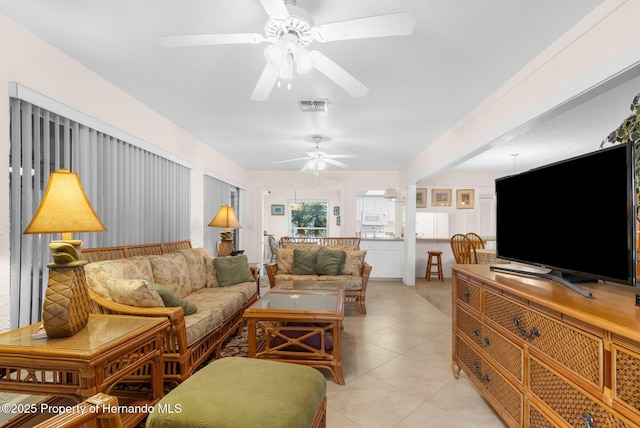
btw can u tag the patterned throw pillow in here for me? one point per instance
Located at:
(353, 262)
(197, 268)
(172, 271)
(284, 260)
(212, 279)
(133, 292)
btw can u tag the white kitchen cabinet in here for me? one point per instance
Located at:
(375, 203)
(385, 256)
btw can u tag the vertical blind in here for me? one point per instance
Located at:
(140, 197)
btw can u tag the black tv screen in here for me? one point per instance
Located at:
(575, 216)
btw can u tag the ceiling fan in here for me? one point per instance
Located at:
(288, 35)
(318, 160)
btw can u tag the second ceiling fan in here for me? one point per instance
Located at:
(289, 30)
(318, 160)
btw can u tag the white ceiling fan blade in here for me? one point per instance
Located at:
(291, 160)
(339, 75)
(308, 165)
(394, 24)
(210, 39)
(340, 156)
(276, 9)
(335, 162)
(265, 83)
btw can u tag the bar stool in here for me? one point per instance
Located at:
(434, 259)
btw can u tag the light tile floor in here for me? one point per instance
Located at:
(396, 364)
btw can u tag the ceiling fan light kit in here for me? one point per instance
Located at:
(290, 30)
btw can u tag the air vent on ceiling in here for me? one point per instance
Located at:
(312, 105)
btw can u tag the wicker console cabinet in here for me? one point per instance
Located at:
(545, 356)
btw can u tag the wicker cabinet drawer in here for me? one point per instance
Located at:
(569, 403)
(508, 355)
(537, 419)
(577, 350)
(626, 379)
(490, 381)
(468, 292)
(469, 325)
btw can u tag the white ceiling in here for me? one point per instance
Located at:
(420, 85)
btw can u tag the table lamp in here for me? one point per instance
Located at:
(65, 209)
(225, 218)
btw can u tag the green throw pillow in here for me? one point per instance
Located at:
(304, 261)
(171, 301)
(232, 270)
(330, 261)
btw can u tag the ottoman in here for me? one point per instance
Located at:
(238, 392)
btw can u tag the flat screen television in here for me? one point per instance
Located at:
(575, 217)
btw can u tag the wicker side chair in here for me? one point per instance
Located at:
(476, 243)
(462, 249)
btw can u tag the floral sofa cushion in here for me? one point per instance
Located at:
(197, 268)
(350, 282)
(210, 268)
(134, 292)
(172, 271)
(353, 262)
(97, 273)
(284, 260)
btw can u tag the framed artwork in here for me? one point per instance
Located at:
(440, 197)
(336, 210)
(277, 209)
(465, 198)
(338, 221)
(421, 198)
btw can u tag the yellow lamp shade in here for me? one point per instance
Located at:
(64, 207)
(226, 218)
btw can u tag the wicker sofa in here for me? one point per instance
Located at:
(355, 271)
(188, 273)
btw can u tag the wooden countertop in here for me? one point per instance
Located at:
(612, 306)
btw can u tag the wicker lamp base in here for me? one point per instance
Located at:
(225, 248)
(67, 304)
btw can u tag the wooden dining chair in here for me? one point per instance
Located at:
(476, 242)
(461, 247)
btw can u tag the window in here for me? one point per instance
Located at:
(308, 218)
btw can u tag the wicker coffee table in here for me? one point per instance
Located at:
(299, 322)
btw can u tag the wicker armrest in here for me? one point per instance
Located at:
(107, 306)
(175, 337)
(271, 269)
(92, 408)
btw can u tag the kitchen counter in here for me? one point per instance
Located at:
(382, 239)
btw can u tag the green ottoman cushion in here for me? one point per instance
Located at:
(238, 392)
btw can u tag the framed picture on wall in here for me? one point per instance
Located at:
(440, 197)
(277, 209)
(421, 198)
(465, 198)
(336, 210)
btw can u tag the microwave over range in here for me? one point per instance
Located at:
(374, 218)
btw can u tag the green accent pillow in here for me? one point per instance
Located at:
(171, 301)
(232, 270)
(330, 262)
(304, 261)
